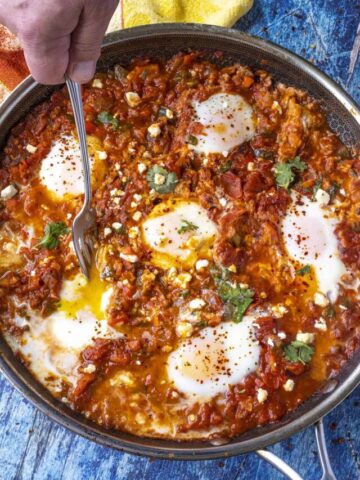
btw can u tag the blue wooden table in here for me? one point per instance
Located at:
(33, 447)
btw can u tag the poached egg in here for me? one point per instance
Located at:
(61, 170)
(308, 232)
(228, 121)
(205, 365)
(52, 346)
(178, 232)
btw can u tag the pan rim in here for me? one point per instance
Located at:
(157, 447)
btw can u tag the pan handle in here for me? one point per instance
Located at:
(284, 468)
(328, 473)
(279, 464)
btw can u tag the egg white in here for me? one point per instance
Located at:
(308, 232)
(61, 170)
(162, 232)
(205, 365)
(228, 121)
(52, 345)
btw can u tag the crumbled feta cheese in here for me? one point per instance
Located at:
(342, 192)
(133, 204)
(279, 310)
(117, 226)
(270, 342)
(97, 83)
(132, 99)
(136, 216)
(129, 257)
(137, 197)
(281, 335)
(169, 114)
(243, 285)
(202, 263)
(182, 280)
(232, 268)
(289, 385)
(320, 324)
(30, 148)
(133, 232)
(322, 197)
(154, 130)
(223, 202)
(114, 192)
(102, 155)
(159, 179)
(276, 106)
(68, 216)
(107, 231)
(321, 300)
(117, 200)
(117, 166)
(8, 192)
(305, 337)
(225, 153)
(184, 329)
(89, 368)
(142, 168)
(262, 395)
(146, 154)
(251, 166)
(196, 304)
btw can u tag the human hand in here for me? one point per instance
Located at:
(59, 36)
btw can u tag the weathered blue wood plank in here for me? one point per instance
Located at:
(33, 447)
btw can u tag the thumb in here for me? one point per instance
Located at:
(87, 37)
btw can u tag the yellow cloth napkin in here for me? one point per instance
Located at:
(213, 12)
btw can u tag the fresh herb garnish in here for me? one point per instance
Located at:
(53, 232)
(192, 140)
(284, 172)
(236, 297)
(297, 351)
(187, 227)
(201, 324)
(161, 180)
(317, 186)
(225, 167)
(330, 312)
(108, 119)
(304, 270)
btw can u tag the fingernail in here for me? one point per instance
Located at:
(82, 72)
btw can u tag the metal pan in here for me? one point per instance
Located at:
(344, 118)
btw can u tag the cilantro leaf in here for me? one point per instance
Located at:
(330, 312)
(108, 119)
(53, 232)
(225, 167)
(317, 186)
(304, 270)
(297, 351)
(238, 298)
(187, 227)
(193, 140)
(284, 172)
(161, 180)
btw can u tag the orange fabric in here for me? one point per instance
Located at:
(13, 68)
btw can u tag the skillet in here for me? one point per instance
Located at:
(343, 117)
